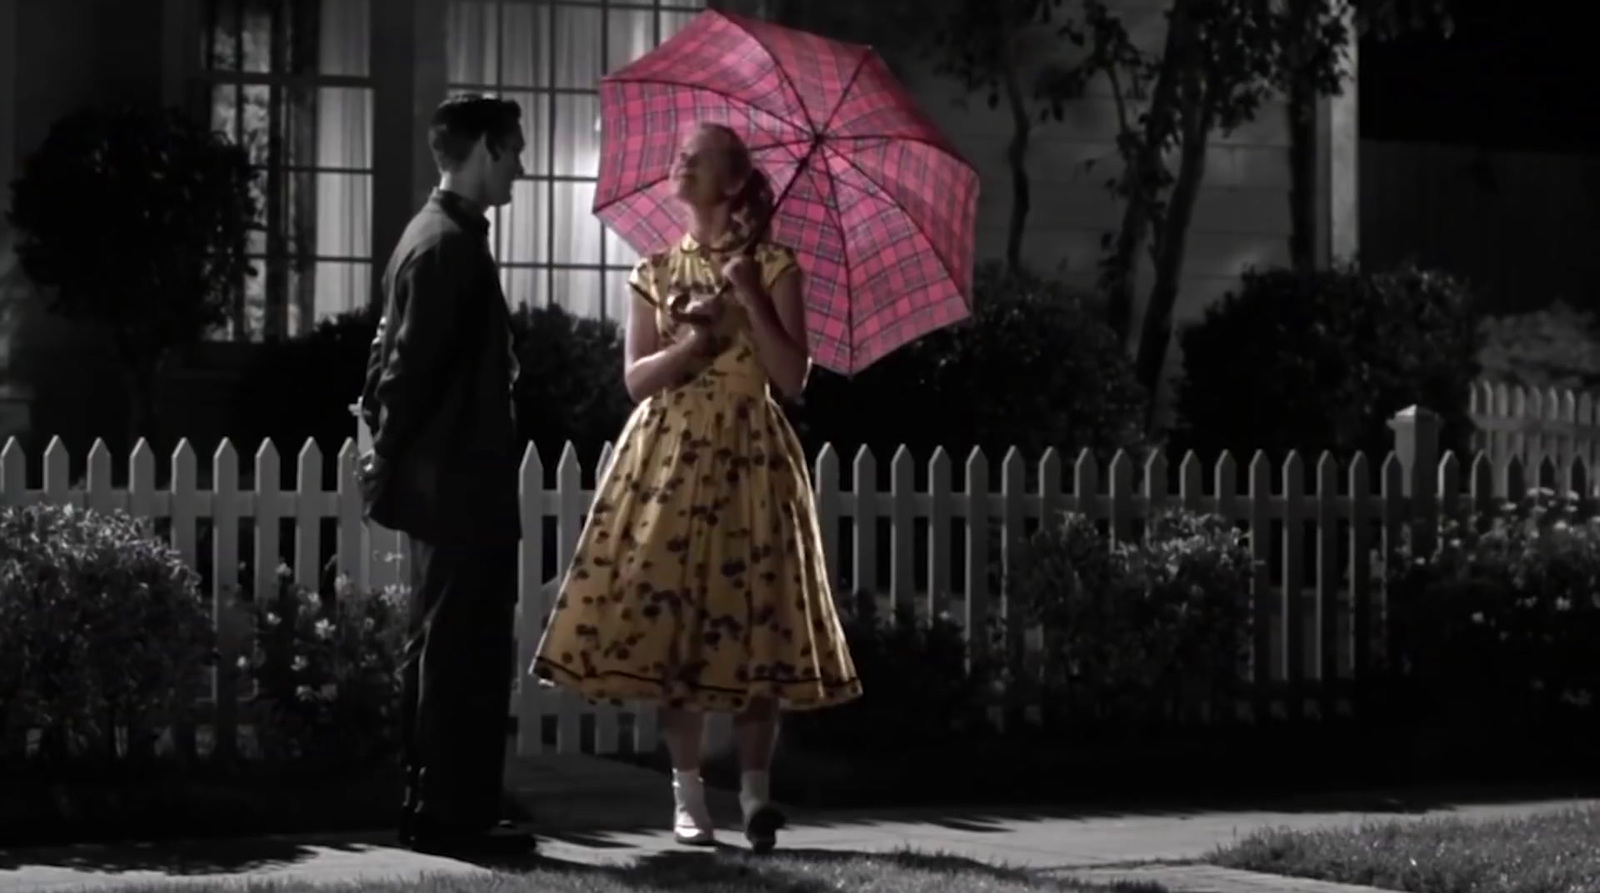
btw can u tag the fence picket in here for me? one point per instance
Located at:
(864, 528)
(975, 588)
(230, 626)
(56, 470)
(533, 607)
(902, 528)
(308, 517)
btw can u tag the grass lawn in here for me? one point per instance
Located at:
(721, 872)
(1553, 853)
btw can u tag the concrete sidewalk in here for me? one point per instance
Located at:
(617, 818)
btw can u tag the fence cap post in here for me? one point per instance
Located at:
(1416, 441)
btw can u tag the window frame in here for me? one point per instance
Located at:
(276, 263)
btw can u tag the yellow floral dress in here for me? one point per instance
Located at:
(699, 578)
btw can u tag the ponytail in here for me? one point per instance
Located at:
(755, 200)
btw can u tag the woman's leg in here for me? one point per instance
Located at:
(755, 736)
(683, 730)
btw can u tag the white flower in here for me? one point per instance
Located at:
(323, 629)
(299, 663)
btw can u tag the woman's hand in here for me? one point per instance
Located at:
(744, 274)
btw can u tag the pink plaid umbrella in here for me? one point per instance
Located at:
(873, 199)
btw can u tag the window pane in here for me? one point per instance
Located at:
(619, 253)
(343, 44)
(536, 127)
(618, 295)
(344, 127)
(222, 36)
(255, 301)
(520, 231)
(578, 49)
(327, 289)
(579, 291)
(343, 222)
(577, 132)
(257, 27)
(630, 33)
(256, 133)
(673, 22)
(524, 45)
(577, 230)
(225, 111)
(525, 286)
(470, 47)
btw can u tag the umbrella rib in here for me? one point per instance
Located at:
(861, 64)
(660, 82)
(783, 76)
(910, 218)
(850, 306)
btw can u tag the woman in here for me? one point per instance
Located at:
(699, 580)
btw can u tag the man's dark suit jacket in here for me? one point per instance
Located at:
(438, 391)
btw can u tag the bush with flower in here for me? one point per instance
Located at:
(1152, 630)
(326, 671)
(1500, 621)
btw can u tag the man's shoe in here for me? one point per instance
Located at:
(438, 839)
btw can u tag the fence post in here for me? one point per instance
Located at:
(1416, 443)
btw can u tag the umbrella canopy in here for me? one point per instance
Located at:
(878, 206)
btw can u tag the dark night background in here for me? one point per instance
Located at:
(1515, 74)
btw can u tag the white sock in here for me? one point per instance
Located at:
(687, 788)
(754, 790)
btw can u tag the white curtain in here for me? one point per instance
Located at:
(343, 224)
(549, 57)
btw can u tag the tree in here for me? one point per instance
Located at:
(136, 220)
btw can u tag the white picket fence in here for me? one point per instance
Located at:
(1312, 544)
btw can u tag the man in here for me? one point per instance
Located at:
(443, 471)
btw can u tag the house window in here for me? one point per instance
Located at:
(290, 81)
(548, 55)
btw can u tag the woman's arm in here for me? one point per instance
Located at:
(778, 326)
(647, 367)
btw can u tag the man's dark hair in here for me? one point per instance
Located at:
(460, 121)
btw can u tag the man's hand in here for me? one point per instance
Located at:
(370, 467)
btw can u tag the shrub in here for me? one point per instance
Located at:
(1320, 361)
(1557, 347)
(1034, 367)
(1140, 631)
(102, 629)
(571, 387)
(327, 671)
(1498, 622)
(917, 686)
(302, 388)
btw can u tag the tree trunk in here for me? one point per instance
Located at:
(1156, 334)
(1117, 279)
(1017, 157)
(1302, 114)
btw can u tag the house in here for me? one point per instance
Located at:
(331, 97)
